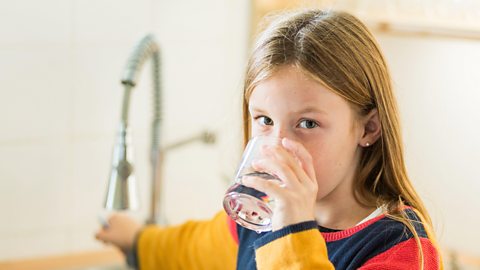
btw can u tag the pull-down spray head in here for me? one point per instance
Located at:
(122, 191)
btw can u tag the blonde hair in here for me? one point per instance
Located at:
(338, 50)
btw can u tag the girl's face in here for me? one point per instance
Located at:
(291, 104)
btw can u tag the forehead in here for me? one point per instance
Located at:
(290, 88)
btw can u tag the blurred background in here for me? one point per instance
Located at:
(60, 67)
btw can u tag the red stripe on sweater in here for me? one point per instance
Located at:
(232, 227)
(405, 256)
(335, 236)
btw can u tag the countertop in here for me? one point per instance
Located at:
(106, 259)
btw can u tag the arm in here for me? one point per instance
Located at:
(405, 255)
(299, 246)
(405, 252)
(193, 245)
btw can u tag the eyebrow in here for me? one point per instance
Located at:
(309, 109)
(250, 108)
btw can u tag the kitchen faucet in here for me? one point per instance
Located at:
(122, 191)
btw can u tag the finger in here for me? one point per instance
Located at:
(304, 157)
(283, 156)
(113, 218)
(278, 169)
(101, 240)
(270, 187)
(101, 235)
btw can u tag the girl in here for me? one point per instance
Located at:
(318, 81)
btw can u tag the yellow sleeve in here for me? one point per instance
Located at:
(192, 245)
(300, 250)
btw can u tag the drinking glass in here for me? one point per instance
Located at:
(249, 207)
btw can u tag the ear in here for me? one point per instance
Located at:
(372, 129)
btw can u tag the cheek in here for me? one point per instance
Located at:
(257, 130)
(325, 163)
(333, 152)
(323, 160)
(254, 131)
(331, 163)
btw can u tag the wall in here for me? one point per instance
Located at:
(437, 86)
(60, 68)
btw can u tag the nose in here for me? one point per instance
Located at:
(282, 132)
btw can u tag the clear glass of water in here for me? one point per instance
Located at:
(249, 207)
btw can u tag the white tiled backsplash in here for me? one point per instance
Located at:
(60, 68)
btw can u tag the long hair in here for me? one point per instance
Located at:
(338, 51)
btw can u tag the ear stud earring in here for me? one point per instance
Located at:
(367, 144)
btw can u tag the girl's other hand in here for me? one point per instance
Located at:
(295, 194)
(119, 231)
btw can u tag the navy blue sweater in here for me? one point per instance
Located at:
(378, 239)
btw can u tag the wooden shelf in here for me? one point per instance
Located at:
(424, 29)
(387, 16)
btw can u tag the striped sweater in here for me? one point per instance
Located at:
(379, 243)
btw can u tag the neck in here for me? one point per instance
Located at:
(339, 209)
(340, 213)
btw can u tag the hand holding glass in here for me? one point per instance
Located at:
(249, 207)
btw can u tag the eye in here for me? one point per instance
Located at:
(309, 124)
(264, 120)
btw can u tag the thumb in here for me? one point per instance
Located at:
(101, 235)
